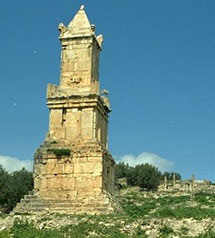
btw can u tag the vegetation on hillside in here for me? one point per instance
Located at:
(145, 176)
(142, 212)
(13, 187)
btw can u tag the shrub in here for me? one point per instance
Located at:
(185, 212)
(5, 234)
(60, 152)
(209, 233)
(165, 231)
(24, 229)
(165, 212)
(184, 230)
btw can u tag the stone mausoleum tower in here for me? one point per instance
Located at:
(73, 170)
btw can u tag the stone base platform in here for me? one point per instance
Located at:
(33, 204)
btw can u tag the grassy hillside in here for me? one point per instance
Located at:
(144, 215)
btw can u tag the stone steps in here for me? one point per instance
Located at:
(32, 204)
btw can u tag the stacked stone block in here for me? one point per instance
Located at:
(80, 177)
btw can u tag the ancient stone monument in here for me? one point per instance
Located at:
(73, 170)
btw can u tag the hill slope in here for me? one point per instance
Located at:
(144, 215)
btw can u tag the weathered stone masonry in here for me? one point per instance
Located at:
(73, 170)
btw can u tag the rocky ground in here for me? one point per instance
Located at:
(144, 215)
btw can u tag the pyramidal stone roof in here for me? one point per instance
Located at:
(80, 23)
(79, 26)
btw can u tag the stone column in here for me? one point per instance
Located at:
(193, 183)
(173, 181)
(165, 183)
(189, 186)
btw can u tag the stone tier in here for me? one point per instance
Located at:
(33, 204)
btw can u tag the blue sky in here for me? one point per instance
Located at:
(158, 63)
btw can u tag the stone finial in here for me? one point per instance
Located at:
(105, 92)
(93, 27)
(100, 40)
(104, 95)
(61, 28)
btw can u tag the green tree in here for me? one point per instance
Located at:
(121, 170)
(132, 176)
(145, 176)
(21, 183)
(148, 177)
(169, 175)
(4, 187)
(13, 187)
(125, 171)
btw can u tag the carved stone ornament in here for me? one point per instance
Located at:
(75, 80)
(62, 29)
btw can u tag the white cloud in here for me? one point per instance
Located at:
(150, 158)
(14, 164)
